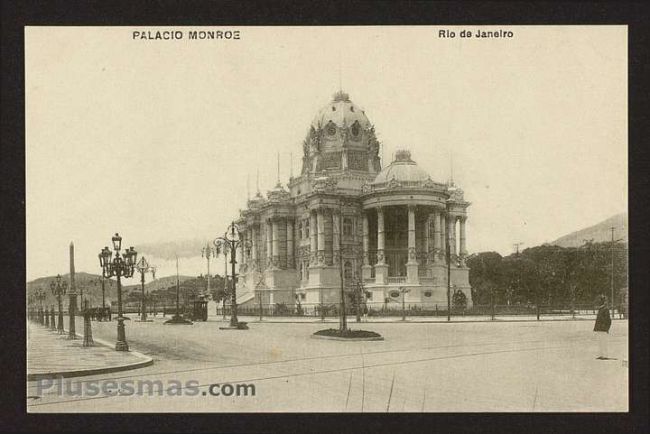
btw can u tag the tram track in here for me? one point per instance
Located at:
(312, 372)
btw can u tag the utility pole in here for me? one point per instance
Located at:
(612, 277)
(448, 254)
(612, 254)
(516, 246)
(343, 325)
(73, 295)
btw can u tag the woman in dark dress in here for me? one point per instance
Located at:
(601, 327)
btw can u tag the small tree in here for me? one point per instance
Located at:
(459, 300)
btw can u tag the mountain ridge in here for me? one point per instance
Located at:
(599, 232)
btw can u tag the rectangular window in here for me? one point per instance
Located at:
(347, 227)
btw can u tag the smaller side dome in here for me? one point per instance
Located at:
(403, 170)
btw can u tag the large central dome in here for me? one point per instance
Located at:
(341, 138)
(342, 112)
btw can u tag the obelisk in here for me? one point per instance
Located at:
(73, 296)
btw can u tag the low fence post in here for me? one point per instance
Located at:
(88, 333)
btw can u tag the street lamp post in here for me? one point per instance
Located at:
(260, 284)
(404, 291)
(103, 289)
(208, 252)
(122, 265)
(30, 307)
(223, 248)
(232, 238)
(40, 296)
(59, 289)
(144, 267)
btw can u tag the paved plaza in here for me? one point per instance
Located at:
(432, 367)
(50, 354)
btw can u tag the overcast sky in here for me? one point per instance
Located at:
(156, 139)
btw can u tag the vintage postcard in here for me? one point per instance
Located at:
(374, 219)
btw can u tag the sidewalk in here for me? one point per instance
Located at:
(50, 355)
(410, 319)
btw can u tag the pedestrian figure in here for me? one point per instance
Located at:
(365, 313)
(601, 327)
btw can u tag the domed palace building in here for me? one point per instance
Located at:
(346, 217)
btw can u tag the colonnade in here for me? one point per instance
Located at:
(440, 228)
(444, 225)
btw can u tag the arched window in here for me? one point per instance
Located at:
(330, 127)
(347, 270)
(356, 128)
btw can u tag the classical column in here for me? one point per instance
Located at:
(320, 223)
(269, 245)
(313, 235)
(366, 269)
(411, 235)
(275, 245)
(412, 263)
(450, 235)
(454, 244)
(240, 255)
(290, 259)
(436, 236)
(254, 247)
(336, 229)
(427, 239)
(366, 239)
(381, 268)
(463, 247)
(243, 244)
(443, 235)
(380, 236)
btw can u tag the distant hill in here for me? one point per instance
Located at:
(92, 287)
(90, 283)
(599, 232)
(162, 283)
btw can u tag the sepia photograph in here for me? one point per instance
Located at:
(327, 219)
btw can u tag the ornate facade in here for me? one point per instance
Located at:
(346, 216)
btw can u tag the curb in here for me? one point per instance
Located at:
(334, 338)
(146, 361)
